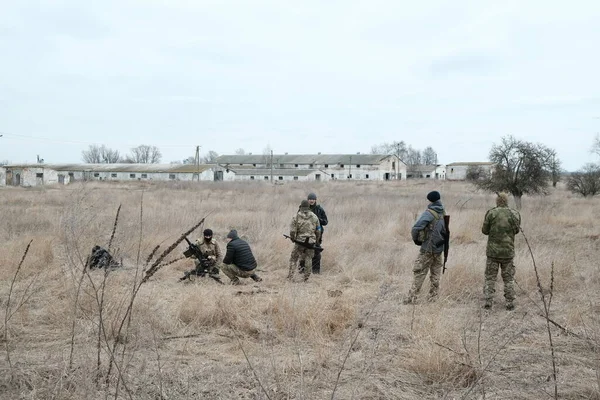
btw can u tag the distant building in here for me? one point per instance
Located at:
(29, 175)
(426, 171)
(316, 167)
(457, 171)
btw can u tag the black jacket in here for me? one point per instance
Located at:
(320, 213)
(240, 255)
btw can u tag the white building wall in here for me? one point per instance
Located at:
(2, 176)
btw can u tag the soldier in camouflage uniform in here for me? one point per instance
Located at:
(501, 224)
(210, 248)
(305, 225)
(428, 232)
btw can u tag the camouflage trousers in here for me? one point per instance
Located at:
(508, 276)
(233, 272)
(304, 254)
(426, 262)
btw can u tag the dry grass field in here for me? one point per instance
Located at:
(67, 333)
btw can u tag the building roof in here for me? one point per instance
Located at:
(320, 159)
(151, 168)
(276, 171)
(469, 163)
(423, 168)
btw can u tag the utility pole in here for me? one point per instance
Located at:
(350, 169)
(197, 162)
(271, 166)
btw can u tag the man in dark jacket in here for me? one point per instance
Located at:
(322, 216)
(239, 262)
(501, 224)
(428, 232)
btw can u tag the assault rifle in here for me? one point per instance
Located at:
(312, 246)
(206, 264)
(446, 241)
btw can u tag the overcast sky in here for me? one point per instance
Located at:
(300, 77)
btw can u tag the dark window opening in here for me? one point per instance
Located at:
(342, 165)
(326, 165)
(171, 176)
(96, 174)
(266, 178)
(132, 175)
(254, 165)
(251, 178)
(310, 166)
(39, 175)
(281, 165)
(296, 165)
(280, 178)
(295, 178)
(367, 176)
(357, 165)
(144, 175)
(113, 175)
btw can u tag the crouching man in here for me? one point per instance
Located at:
(239, 262)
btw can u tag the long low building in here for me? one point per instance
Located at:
(29, 175)
(325, 166)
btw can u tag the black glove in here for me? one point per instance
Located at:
(418, 242)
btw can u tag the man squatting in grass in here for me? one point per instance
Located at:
(239, 262)
(304, 228)
(428, 232)
(501, 224)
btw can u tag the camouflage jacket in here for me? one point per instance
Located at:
(211, 249)
(501, 224)
(305, 224)
(430, 231)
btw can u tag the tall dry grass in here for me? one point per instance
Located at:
(343, 335)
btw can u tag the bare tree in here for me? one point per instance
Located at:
(475, 173)
(190, 160)
(554, 167)
(397, 149)
(596, 145)
(240, 152)
(267, 151)
(429, 156)
(92, 155)
(211, 157)
(586, 181)
(100, 155)
(520, 168)
(144, 154)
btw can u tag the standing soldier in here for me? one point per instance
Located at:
(322, 216)
(304, 228)
(210, 248)
(501, 224)
(428, 232)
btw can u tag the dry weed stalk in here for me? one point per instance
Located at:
(383, 290)
(546, 304)
(7, 314)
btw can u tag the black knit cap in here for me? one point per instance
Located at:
(312, 196)
(232, 234)
(433, 196)
(208, 232)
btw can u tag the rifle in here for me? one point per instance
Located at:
(446, 241)
(311, 246)
(193, 250)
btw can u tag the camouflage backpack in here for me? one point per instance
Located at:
(426, 233)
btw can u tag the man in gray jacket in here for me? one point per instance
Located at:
(428, 232)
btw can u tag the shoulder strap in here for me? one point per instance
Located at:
(436, 216)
